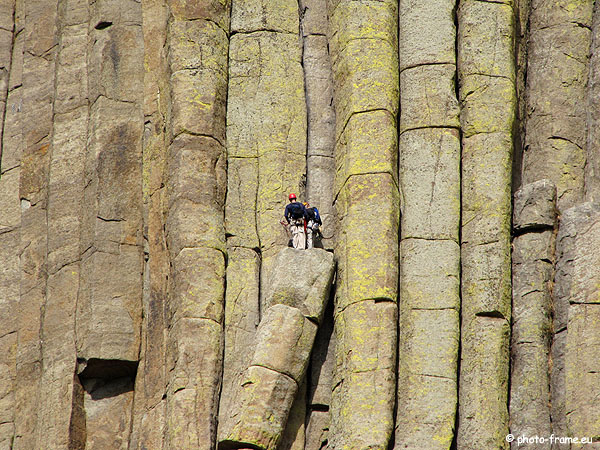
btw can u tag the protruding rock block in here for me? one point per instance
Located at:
(298, 292)
(284, 341)
(301, 278)
(264, 405)
(535, 206)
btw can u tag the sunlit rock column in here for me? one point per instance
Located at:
(39, 66)
(65, 208)
(557, 74)
(10, 156)
(266, 156)
(534, 220)
(365, 74)
(429, 250)
(320, 162)
(196, 175)
(486, 74)
(149, 404)
(109, 307)
(577, 308)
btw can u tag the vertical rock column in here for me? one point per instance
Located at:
(592, 166)
(487, 94)
(557, 74)
(365, 73)
(149, 406)
(429, 249)
(39, 62)
(10, 149)
(109, 308)
(65, 209)
(198, 44)
(266, 151)
(7, 35)
(534, 220)
(320, 162)
(577, 321)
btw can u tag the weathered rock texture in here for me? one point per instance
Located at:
(284, 339)
(429, 150)
(148, 148)
(365, 73)
(555, 143)
(534, 219)
(486, 75)
(576, 298)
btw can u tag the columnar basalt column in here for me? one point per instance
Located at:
(592, 166)
(365, 73)
(64, 215)
(10, 155)
(534, 220)
(266, 157)
(198, 45)
(486, 74)
(557, 74)
(109, 306)
(149, 404)
(429, 249)
(39, 68)
(576, 320)
(320, 162)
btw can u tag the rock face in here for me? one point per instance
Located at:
(298, 292)
(148, 299)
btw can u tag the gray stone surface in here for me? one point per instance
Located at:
(302, 279)
(532, 272)
(535, 206)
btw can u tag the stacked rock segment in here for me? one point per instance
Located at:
(298, 292)
(577, 312)
(198, 46)
(486, 75)
(365, 76)
(38, 76)
(429, 177)
(534, 220)
(558, 56)
(320, 160)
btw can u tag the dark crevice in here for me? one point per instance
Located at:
(534, 228)
(106, 369)
(102, 25)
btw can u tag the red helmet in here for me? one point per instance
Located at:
(292, 196)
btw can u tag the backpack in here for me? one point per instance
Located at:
(313, 214)
(296, 210)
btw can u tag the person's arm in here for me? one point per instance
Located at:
(286, 214)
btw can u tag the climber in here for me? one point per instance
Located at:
(295, 216)
(313, 222)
